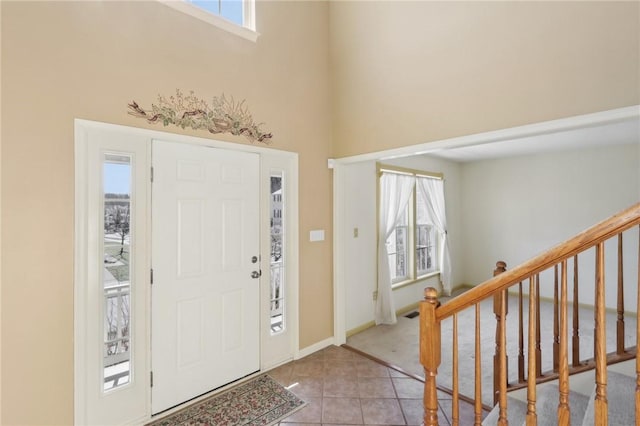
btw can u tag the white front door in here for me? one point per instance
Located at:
(205, 302)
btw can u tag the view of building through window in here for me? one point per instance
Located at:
(277, 291)
(116, 273)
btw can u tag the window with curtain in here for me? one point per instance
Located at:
(412, 231)
(412, 246)
(425, 237)
(398, 249)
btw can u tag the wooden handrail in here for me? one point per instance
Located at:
(556, 260)
(571, 247)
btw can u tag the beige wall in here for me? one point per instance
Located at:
(412, 72)
(399, 74)
(66, 60)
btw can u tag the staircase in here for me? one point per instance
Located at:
(546, 397)
(620, 407)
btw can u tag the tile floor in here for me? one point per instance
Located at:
(342, 387)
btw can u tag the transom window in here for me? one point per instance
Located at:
(234, 16)
(231, 10)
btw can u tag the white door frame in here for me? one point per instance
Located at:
(272, 158)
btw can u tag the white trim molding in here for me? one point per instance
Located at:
(88, 134)
(315, 348)
(536, 129)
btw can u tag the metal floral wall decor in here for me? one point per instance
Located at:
(222, 116)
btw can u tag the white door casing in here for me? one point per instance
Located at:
(131, 404)
(205, 232)
(128, 403)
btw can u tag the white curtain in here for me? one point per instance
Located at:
(395, 191)
(432, 190)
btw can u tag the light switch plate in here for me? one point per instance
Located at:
(316, 235)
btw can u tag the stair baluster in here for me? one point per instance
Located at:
(599, 333)
(556, 342)
(538, 339)
(564, 413)
(575, 344)
(455, 408)
(500, 319)
(638, 339)
(520, 336)
(502, 420)
(477, 406)
(620, 322)
(532, 417)
(430, 347)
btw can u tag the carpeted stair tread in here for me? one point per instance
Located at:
(621, 400)
(516, 413)
(546, 408)
(547, 405)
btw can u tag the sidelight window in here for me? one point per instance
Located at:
(277, 257)
(116, 274)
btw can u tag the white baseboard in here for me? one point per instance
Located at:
(314, 348)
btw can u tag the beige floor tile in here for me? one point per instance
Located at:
(342, 410)
(337, 352)
(413, 411)
(375, 387)
(282, 373)
(308, 368)
(340, 367)
(312, 413)
(346, 387)
(368, 368)
(408, 388)
(299, 424)
(381, 412)
(306, 386)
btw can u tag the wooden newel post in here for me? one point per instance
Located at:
(498, 299)
(430, 349)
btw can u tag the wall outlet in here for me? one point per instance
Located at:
(355, 232)
(375, 295)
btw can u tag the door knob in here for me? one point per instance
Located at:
(256, 274)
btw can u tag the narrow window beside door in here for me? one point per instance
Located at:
(277, 255)
(116, 275)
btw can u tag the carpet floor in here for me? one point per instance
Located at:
(399, 344)
(260, 401)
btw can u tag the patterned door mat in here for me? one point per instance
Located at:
(260, 401)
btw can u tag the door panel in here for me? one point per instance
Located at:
(205, 305)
